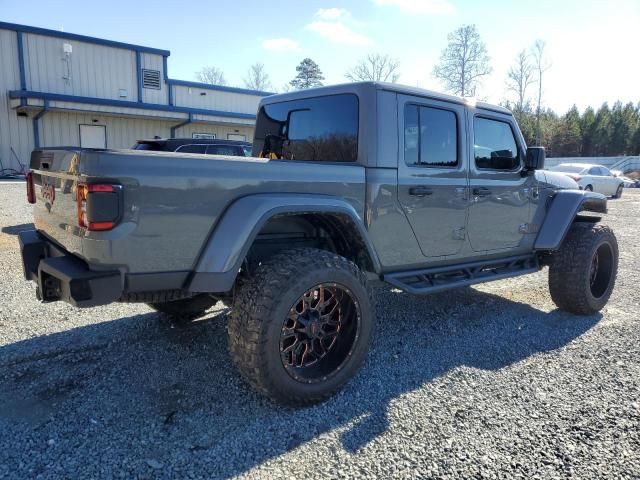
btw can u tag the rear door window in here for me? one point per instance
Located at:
(192, 148)
(430, 137)
(322, 129)
(223, 150)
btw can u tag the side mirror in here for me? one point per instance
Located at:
(534, 159)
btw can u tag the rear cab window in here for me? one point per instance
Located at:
(322, 129)
(495, 146)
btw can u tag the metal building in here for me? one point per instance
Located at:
(63, 89)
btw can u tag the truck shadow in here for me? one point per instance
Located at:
(16, 229)
(158, 391)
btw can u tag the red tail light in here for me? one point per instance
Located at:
(97, 205)
(577, 178)
(31, 189)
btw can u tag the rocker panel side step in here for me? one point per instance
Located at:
(437, 279)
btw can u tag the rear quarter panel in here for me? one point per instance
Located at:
(173, 201)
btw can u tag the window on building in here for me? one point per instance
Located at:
(495, 147)
(311, 129)
(209, 136)
(430, 137)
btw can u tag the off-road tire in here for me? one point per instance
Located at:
(261, 305)
(571, 268)
(186, 308)
(619, 191)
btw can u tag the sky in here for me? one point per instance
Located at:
(591, 45)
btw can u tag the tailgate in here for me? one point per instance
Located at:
(56, 174)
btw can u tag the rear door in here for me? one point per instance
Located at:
(609, 182)
(432, 173)
(499, 212)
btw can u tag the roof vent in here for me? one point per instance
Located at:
(151, 79)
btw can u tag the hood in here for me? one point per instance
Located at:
(556, 180)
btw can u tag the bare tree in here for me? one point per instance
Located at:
(211, 75)
(520, 77)
(541, 65)
(463, 62)
(257, 78)
(375, 67)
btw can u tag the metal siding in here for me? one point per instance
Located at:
(62, 129)
(96, 70)
(100, 71)
(215, 100)
(15, 132)
(150, 95)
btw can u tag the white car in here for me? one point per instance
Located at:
(594, 178)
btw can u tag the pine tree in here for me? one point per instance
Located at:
(309, 75)
(587, 124)
(602, 131)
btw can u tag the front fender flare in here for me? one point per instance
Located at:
(562, 211)
(222, 256)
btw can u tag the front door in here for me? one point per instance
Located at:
(501, 194)
(432, 173)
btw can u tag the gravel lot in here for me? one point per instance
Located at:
(481, 382)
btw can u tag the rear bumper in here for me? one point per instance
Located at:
(61, 276)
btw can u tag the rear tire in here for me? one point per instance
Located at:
(619, 191)
(589, 188)
(300, 327)
(186, 308)
(582, 273)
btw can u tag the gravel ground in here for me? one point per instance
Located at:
(489, 382)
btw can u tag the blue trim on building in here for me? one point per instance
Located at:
(36, 125)
(221, 88)
(23, 76)
(81, 38)
(181, 124)
(139, 75)
(126, 104)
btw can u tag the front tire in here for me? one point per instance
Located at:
(583, 272)
(300, 327)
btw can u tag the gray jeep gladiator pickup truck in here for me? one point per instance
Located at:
(353, 183)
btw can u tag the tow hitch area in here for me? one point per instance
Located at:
(61, 276)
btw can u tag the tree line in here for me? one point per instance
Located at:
(463, 65)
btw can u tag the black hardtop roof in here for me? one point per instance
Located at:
(357, 87)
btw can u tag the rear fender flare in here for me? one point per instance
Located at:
(232, 237)
(561, 213)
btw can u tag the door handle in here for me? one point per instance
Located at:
(420, 191)
(481, 192)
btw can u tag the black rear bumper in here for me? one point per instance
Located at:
(61, 276)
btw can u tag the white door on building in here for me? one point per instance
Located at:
(236, 136)
(93, 136)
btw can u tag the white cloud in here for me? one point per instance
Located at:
(334, 25)
(280, 44)
(338, 33)
(428, 7)
(332, 14)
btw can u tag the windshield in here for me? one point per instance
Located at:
(567, 168)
